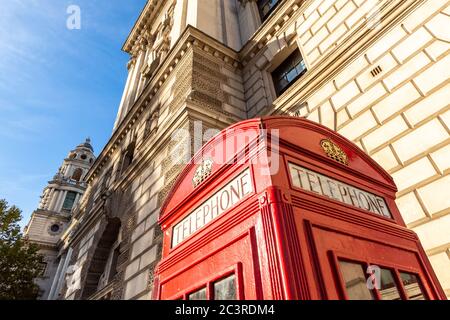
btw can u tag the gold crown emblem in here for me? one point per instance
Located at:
(334, 152)
(202, 172)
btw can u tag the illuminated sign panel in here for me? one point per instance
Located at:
(227, 197)
(314, 182)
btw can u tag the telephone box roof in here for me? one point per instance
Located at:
(232, 145)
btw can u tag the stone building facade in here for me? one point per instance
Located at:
(376, 71)
(59, 197)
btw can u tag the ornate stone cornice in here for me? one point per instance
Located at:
(139, 46)
(149, 12)
(190, 37)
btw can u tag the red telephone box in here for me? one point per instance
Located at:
(284, 208)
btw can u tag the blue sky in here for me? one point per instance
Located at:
(57, 86)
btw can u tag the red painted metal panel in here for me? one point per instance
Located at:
(280, 238)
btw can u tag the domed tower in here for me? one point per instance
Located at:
(58, 199)
(66, 187)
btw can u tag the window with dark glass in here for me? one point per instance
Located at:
(388, 289)
(198, 295)
(54, 228)
(355, 281)
(77, 174)
(225, 289)
(266, 7)
(288, 72)
(69, 200)
(412, 285)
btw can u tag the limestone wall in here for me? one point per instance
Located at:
(378, 74)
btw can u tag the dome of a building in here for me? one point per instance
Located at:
(86, 144)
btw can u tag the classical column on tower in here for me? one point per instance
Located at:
(59, 197)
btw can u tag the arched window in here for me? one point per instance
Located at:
(69, 201)
(77, 174)
(103, 266)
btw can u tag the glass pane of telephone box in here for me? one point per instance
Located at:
(225, 289)
(412, 286)
(388, 289)
(355, 281)
(198, 295)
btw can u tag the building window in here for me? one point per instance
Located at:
(55, 228)
(103, 265)
(266, 7)
(110, 270)
(70, 200)
(77, 174)
(288, 72)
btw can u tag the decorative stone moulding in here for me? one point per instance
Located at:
(144, 19)
(190, 38)
(259, 44)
